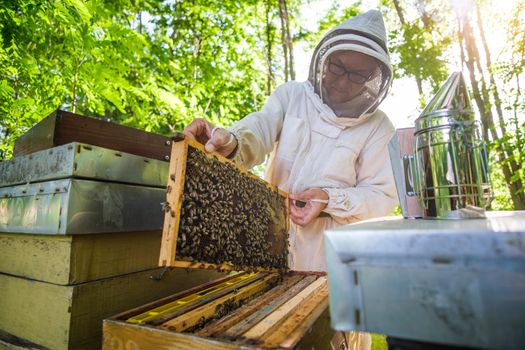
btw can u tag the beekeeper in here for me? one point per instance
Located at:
(326, 138)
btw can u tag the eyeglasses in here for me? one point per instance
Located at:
(353, 76)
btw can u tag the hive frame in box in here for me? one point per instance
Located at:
(286, 314)
(175, 191)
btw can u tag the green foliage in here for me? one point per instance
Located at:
(156, 65)
(418, 51)
(502, 199)
(148, 64)
(510, 72)
(379, 342)
(336, 15)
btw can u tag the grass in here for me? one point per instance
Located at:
(379, 342)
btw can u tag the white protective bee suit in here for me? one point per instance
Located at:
(311, 147)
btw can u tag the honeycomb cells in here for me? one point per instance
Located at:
(230, 217)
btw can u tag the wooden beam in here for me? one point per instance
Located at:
(209, 310)
(175, 190)
(255, 318)
(278, 316)
(219, 267)
(296, 325)
(221, 325)
(118, 335)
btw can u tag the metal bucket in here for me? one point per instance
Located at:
(449, 171)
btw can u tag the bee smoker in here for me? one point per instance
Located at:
(441, 165)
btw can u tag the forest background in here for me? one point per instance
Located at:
(156, 65)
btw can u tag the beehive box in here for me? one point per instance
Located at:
(74, 259)
(81, 160)
(219, 215)
(462, 280)
(62, 127)
(80, 233)
(80, 188)
(70, 316)
(245, 310)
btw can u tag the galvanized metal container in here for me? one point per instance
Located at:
(448, 170)
(456, 282)
(76, 206)
(83, 161)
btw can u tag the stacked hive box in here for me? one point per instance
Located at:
(80, 231)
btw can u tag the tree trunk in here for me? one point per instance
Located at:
(284, 39)
(399, 11)
(495, 92)
(515, 167)
(401, 16)
(269, 39)
(427, 20)
(287, 36)
(470, 57)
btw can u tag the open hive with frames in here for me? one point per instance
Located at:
(220, 216)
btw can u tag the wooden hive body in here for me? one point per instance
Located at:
(258, 310)
(62, 127)
(69, 258)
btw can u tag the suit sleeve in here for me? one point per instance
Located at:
(375, 192)
(257, 132)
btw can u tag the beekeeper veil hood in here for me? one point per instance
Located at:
(365, 34)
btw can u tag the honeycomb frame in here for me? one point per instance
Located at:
(204, 245)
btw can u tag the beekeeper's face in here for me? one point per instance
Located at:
(346, 73)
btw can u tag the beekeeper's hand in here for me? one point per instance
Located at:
(307, 205)
(212, 137)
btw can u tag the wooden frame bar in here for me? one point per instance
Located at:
(207, 311)
(273, 320)
(252, 320)
(241, 314)
(292, 329)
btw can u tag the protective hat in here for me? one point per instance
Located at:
(366, 34)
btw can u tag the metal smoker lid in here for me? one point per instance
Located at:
(450, 104)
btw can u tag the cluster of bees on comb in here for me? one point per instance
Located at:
(230, 217)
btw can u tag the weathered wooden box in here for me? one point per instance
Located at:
(245, 310)
(80, 233)
(62, 127)
(70, 316)
(242, 311)
(74, 259)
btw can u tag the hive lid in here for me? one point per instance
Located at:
(451, 101)
(80, 160)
